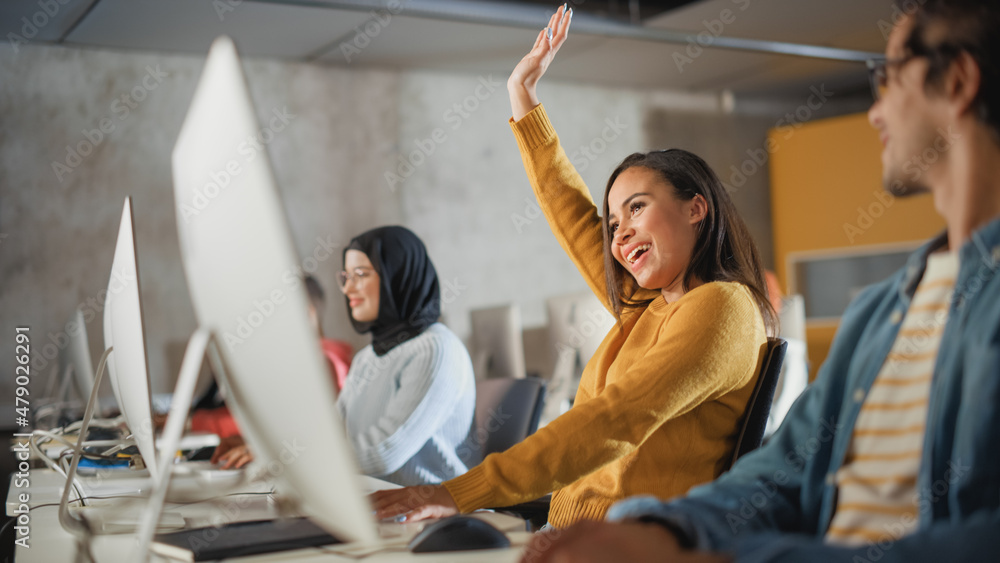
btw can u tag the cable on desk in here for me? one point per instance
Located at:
(140, 497)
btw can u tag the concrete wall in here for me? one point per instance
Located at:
(60, 226)
(360, 149)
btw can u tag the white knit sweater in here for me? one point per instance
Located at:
(407, 412)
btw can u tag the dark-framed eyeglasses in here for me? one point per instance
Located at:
(878, 74)
(358, 274)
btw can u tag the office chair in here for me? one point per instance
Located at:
(507, 411)
(755, 420)
(794, 376)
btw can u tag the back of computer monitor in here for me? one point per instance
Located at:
(78, 355)
(124, 325)
(109, 340)
(246, 287)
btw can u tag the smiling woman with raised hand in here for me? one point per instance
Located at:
(660, 402)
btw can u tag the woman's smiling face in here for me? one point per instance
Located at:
(362, 292)
(654, 232)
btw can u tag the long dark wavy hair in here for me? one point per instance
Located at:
(724, 249)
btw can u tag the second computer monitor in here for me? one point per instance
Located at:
(123, 329)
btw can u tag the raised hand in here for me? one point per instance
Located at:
(523, 80)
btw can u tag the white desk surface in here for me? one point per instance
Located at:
(49, 543)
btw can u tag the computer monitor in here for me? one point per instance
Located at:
(74, 370)
(109, 340)
(497, 345)
(75, 364)
(123, 328)
(246, 287)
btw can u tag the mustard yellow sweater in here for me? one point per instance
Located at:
(660, 402)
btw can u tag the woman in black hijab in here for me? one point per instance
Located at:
(409, 397)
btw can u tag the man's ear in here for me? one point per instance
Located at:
(962, 82)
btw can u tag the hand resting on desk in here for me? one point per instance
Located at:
(415, 503)
(232, 453)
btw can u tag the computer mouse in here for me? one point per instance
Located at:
(458, 533)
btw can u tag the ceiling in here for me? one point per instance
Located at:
(485, 36)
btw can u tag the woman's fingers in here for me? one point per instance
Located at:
(555, 19)
(244, 458)
(417, 503)
(389, 503)
(561, 29)
(235, 458)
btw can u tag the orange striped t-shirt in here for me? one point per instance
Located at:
(876, 487)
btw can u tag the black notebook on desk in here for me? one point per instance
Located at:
(241, 539)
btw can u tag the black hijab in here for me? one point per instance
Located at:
(409, 295)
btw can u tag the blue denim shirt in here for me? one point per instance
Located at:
(777, 502)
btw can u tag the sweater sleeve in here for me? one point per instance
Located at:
(426, 393)
(708, 347)
(563, 197)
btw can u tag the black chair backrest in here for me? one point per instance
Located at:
(507, 411)
(755, 420)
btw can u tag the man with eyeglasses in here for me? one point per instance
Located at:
(893, 454)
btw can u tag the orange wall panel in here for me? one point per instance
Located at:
(826, 193)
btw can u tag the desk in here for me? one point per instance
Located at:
(49, 543)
